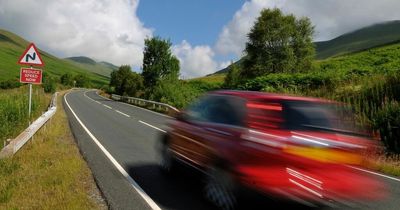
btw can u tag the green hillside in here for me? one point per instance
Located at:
(102, 68)
(11, 48)
(364, 38)
(386, 33)
(378, 60)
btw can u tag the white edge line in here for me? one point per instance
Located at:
(135, 185)
(137, 107)
(374, 173)
(152, 126)
(122, 113)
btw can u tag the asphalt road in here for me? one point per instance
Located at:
(119, 143)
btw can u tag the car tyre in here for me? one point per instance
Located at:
(167, 160)
(219, 188)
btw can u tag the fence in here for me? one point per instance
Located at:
(166, 108)
(28, 133)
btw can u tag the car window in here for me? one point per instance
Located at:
(307, 115)
(216, 109)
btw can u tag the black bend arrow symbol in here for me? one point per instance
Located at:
(30, 56)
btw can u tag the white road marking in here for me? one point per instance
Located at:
(84, 93)
(107, 106)
(374, 173)
(89, 97)
(122, 113)
(138, 107)
(133, 183)
(152, 126)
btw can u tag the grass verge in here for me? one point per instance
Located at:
(49, 172)
(387, 164)
(14, 110)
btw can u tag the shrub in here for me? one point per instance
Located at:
(48, 83)
(67, 79)
(82, 80)
(178, 93)
(10, 84)
(298, 81)
(387, 121)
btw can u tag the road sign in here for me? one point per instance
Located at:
(31, 56)
(29, 75)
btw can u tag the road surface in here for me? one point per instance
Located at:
(118, 141)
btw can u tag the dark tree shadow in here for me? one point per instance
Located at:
(183, 190)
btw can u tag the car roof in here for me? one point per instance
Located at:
(256, 95)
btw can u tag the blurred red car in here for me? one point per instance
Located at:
(292, 147)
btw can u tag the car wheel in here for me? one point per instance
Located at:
(219, 189)
(167, 160)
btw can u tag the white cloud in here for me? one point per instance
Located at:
(331, 18)
(234, 35)
(195, 61)
(106, 30)
(335, 17)
(224, 64)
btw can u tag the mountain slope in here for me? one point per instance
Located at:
(364, 38)
(385, 33)
(102, 68)
(377, 60)
(11, 48)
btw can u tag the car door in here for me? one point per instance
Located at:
(208, 122)
(188, 129)
(220, 127)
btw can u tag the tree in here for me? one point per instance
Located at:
(82, 80)
(126, 82)
(158, 62)
(67, 79)
(278, 43)
(232, 78)
(49, 83)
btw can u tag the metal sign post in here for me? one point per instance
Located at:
(30, 101)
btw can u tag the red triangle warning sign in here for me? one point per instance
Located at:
(31, 56)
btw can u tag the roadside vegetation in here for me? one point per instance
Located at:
(14, 110)
(49, 172)
(11, 48)
(284, 62)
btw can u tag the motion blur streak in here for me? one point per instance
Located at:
(278, 145)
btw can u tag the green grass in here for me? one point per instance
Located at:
(375, 36)
(389, 165)
(12, 47)
(101, 68)
(14, 110)
(211, 79)
(376, 60)
(49, 172)
(362, 39)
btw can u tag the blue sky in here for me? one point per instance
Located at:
(206, 34)
(199, 21)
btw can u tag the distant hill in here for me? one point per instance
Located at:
(361, 39)
(11, 48)
(377, 59)
(376, 35)
(102, 68)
